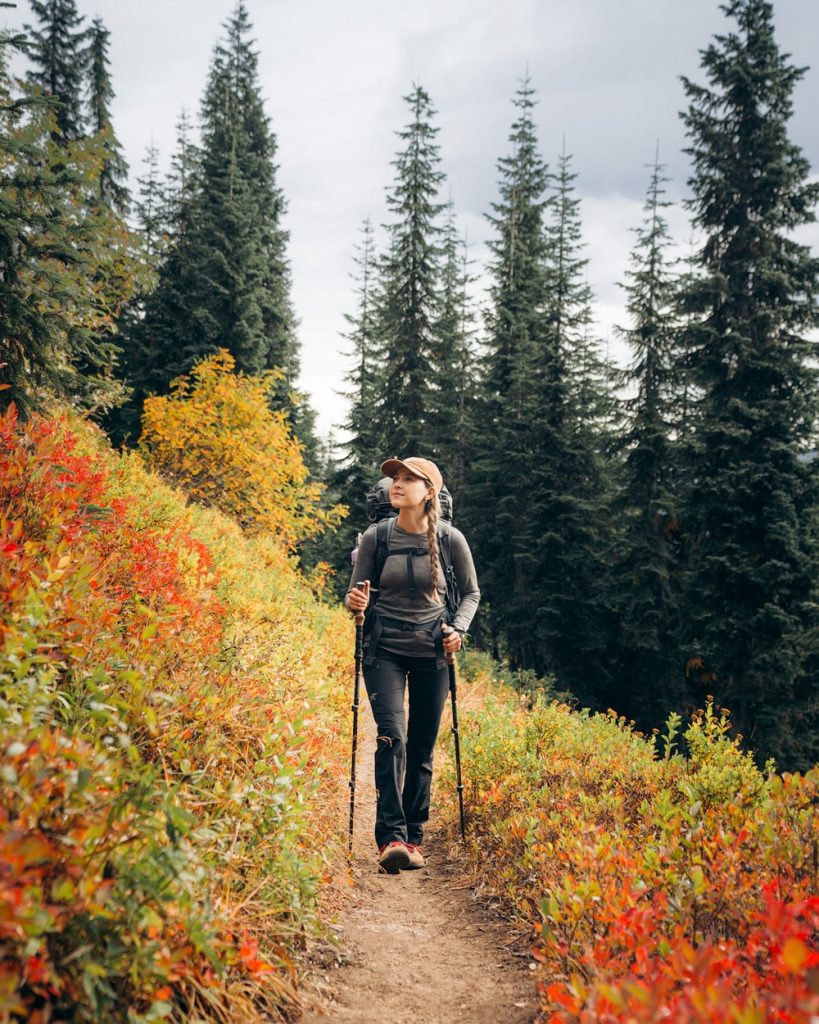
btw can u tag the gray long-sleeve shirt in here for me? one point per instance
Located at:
(394, 599)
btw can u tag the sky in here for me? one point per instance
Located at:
(334, 73)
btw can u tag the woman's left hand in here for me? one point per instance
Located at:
(452, 641)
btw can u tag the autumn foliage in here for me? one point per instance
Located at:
(216, 436)
(161, 748)
(662, 878)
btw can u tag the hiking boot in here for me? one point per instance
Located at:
(393, 856)
(416, 856)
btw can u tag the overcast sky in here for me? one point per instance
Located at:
(333, 75)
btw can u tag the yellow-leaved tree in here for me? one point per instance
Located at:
(216, 437)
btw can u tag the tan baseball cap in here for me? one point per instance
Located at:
(420, 467)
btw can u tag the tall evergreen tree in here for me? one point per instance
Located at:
(361, 451)
(244, 278)
(354, 468)
(150, 208)
(183, 182)
(58, 50)
(225, 280)
(686, 319)
(649, 678)
(153, 233)
(114, 175)
(570, 305)
(518, 350)
(569, 494)
(751, 568)
(452, 413)
(65, 266)
(410, 272)
(156, 328)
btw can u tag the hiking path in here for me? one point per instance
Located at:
(421, 947)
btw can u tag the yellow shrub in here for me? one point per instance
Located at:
(216, 436)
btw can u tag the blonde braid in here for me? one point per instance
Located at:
(433, 510)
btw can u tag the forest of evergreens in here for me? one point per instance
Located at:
(648, 536)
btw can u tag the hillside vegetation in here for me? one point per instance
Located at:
(175, 734)
(664, 877)
(171, 744)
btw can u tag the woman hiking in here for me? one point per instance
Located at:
(407, 638)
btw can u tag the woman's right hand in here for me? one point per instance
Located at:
(359, 597)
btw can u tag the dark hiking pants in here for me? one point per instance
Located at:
(403, 753)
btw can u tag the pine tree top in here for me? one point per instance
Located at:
(750, 187)
(113, 179)
(58, 49)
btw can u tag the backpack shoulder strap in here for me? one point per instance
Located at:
(453, 597)
(445, 543)
(383, 536)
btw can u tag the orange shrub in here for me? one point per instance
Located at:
(676, 887)
(160, 748)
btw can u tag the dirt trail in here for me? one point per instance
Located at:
(418, 947)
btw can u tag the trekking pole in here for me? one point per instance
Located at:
(450, 660)
(359, 654)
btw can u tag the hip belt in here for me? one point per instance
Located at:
(435, 628)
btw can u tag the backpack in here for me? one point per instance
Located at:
(381, 512)
(379, 507)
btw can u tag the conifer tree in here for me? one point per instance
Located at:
(158, 327)
(152, 234)
(243, 274)
(58, 49)
(361, 451)
(150, 208)
(518, 350)
(225, 280)
(570, 304)
(114, 175)
(649, 677)
(686, 319)
(409, 273)
(354, 465)
(184, 179)
(452, 417)
(751, 568)
(569, 494)
(66, 266)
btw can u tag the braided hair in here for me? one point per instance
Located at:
(433, 510)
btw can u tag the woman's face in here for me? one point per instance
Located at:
(408, 490)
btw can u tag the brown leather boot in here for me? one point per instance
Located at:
(416, 856)
(393, 856)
